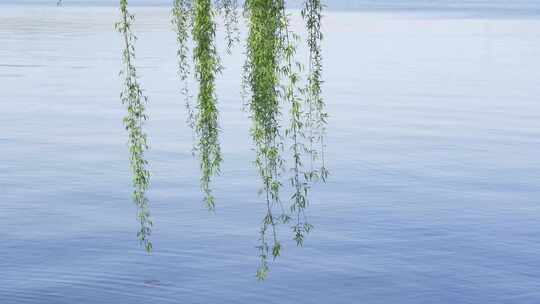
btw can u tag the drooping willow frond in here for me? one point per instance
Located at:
(316, 114)
(262, 75)
(182, 20)
(133, 98)
(290, 72)
(207, 66)
(229, 10)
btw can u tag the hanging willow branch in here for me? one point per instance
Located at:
(262, 75)
(295, 132)
(229, 11)
(182, 20)
(134, 99)
(316, 114)
(206, 68)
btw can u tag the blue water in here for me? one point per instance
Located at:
(433, 146)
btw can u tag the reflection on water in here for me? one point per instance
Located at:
(433, 144)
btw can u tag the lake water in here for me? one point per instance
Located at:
(433, 147)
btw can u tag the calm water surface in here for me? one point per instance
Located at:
(434, 142)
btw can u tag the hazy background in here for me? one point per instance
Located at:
(507, 5)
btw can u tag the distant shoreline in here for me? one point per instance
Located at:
(444, 10)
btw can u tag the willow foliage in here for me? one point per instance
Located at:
(206, 68)
(134, 100)
(262, 75)
(182, 21)
(316, 116)
(273, 84)
(229, 11)
(292, 92)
